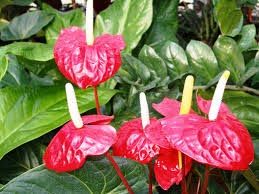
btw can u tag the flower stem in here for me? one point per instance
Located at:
(206, 179)
(120, 174)
(183, 182)
(97, 104)
(150, 168)
(108, 156)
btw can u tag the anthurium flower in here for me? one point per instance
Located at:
(69, 148)
(223, 143)
(87, 65)
(133, 143)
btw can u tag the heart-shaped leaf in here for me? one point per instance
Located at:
(27, 113)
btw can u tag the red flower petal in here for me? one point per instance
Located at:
(204, 106)
(166, 168)
(133, 144)
(87, 65)
(168, 107)
(68, 150)
(155, 134)
(97, 119)
(224, 143)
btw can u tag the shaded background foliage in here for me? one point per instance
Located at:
(166, 40)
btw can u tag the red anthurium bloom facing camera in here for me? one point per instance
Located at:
(143, 145)
(87, 65)
(224, 143)
(68, 150)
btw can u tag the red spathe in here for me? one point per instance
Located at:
(86, 65)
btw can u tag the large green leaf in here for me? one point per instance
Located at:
(229, 17)
(3, 66)
(21, 160)
(27, 113)
(245, 107)
(165, 23)
(29, 50)
(202, 60)
(230, 57)
(247, 40)
(62, 20)
(131, 18)
(25, 25)
(156, 65)
(175, 59)
(95, 177)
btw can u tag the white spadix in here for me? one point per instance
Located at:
(72, 106)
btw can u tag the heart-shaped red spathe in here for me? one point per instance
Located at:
(86, 65)
(69, 148)
(166, 168)
(224, 143)
(133, 144)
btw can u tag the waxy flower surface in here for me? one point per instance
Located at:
(223, 143)
(133, 143)
(87, 65)
(69, 148)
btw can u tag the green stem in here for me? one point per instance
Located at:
(234, 88)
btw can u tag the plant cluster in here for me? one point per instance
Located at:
(153, 55)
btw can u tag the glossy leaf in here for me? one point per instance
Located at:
(29, 50)
(25, 25)
(229, 17)
(245, 107)
(230, 57)
(95, 177)
(130, 18)
(247, 40)
(21, 160)
(62, 20)
(27, 113)
(165, 23)
(175, 59)
(155, 64)
(202, 60)
(3, 66)
(87, 65)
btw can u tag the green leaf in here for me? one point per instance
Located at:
(95, 177)
(29, 50)
(155, 64)
(245, 107)
(251, 178)
(3, 66)
(202, 60)
(131, 18)
(62, 20)
(22, 2)
(25, 25)
(247, 40)
(165, 23)
(27, 113)
(21, 160)
(230, 57)
(176, 60)
(229, 17)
